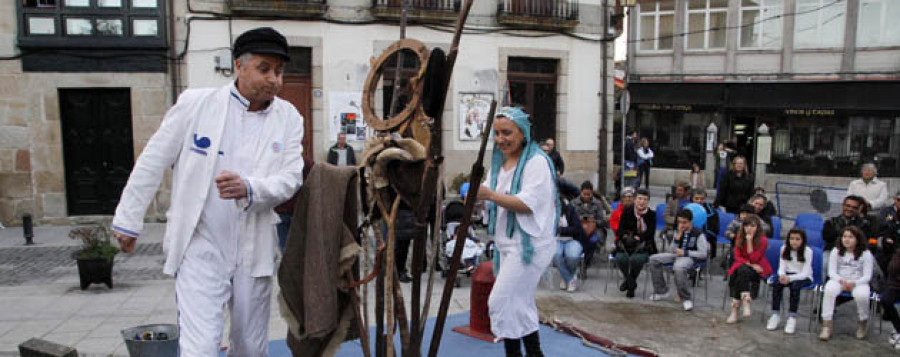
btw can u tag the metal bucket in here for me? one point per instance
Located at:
(139, 346)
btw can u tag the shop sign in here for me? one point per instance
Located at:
(669, 107)
(810, 112)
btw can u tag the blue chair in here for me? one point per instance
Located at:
(776, 228)
(772, 252)
(814, 239)
(725, 219)
(818, 283)
(615, 205)
(660, 222)
(809, 221)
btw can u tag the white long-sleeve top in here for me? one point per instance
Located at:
(849, 268)
(794, 269)
(645, 154)
(875, 192)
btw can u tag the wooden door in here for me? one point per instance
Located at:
(98, 151)
(532, 84)
(297, 90)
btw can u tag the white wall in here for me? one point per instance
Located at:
(347, 50)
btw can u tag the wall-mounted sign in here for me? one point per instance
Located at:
(809, 112)
(670, 107)
(473, 111)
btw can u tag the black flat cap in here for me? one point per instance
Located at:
(263, 40)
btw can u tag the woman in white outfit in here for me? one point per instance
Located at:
(523, 213)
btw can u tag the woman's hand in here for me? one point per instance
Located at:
(485, 193)
(783, 280)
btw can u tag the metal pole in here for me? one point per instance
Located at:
(604, 110)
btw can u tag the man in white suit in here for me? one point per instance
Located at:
(236, 154)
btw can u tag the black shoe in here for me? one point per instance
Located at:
(405, 278)
(630, 293)
(623, 286)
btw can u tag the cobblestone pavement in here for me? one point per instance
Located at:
(38, 265)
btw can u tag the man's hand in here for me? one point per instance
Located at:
(679, 252)
(126, 243)
(230, 186)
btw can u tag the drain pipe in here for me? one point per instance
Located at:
(174, 71)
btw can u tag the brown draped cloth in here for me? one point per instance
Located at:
(321, 250)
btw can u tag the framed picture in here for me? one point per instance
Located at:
(473, 111)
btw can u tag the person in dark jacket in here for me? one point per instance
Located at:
(634, 240)
(341, 154)
(711, 228)
(769, 210)
(736, 186)
(890, 295)
(549, 147)
(850, 216)
(570, 243)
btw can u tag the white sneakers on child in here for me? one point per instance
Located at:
(773, 322)
(562, 284)
(688, 305)
(790, 326)
(659, 297)
(895, 340)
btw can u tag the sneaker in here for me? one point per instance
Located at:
(562, 284)
(688, 305)
(895, 338)
(790, 326)
(573, 285)
(658, 297)
(773, 322)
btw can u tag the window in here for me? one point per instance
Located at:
(53, 23)
(657, 25)
(761, 23)
(676, 138)
(820, 23)
(878, 25)
(706, 24)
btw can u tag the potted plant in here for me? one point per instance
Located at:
(96, 256)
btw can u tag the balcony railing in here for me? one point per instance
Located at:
(558, 14)
(286, 8)
(419, 10)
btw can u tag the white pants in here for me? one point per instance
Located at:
(511, 304)
(204, 287)
(860, 295)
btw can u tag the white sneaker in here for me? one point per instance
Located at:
(573, 285)
(791, 325)
(773, 322)
(562, 284)
(658, 297)
(688, 305)
(895, 338)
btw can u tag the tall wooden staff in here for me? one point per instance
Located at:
(461, 233)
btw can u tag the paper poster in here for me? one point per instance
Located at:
(345, 115)
(473, 111)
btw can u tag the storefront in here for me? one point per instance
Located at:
(817, 128)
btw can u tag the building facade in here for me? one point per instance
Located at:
(821, 75)
(545, 55)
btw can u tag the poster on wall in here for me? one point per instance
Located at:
(345, 115)
(473, 111)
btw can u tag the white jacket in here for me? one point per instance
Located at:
(875, 192)
(277, 174)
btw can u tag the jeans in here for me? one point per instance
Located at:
(794, 287)
(682, 265)
(597, 239)
(643, 174)
(744, 280)
(833, 289)
(283, 228)
(566, 258)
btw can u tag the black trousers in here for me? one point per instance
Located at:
(888, 298)
(744, 279)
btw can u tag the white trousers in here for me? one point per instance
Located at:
(860, 295)
(511, 304)
(205, 285)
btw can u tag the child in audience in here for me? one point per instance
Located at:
(750, 265)
(849, 269)
(794, 273)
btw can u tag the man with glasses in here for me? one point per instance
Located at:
(850, 216)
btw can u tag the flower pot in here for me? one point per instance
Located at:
(96, 270)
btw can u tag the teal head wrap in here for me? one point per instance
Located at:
(531, 149)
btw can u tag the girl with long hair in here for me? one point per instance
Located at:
(794, 273)
(749, 267)
(849, 269)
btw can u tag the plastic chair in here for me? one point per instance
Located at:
(660, 222)
(776, 228)
(812, 221)
(615, 205)
(725, 219)
(610, 264)
(814, 239)
(698, 268)
(773, 255)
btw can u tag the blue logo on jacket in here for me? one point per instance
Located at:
(200, 143)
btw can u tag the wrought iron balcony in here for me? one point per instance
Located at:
(286, 8)
(540, 14)
(419, 10)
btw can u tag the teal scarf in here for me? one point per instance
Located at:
(531, 149)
